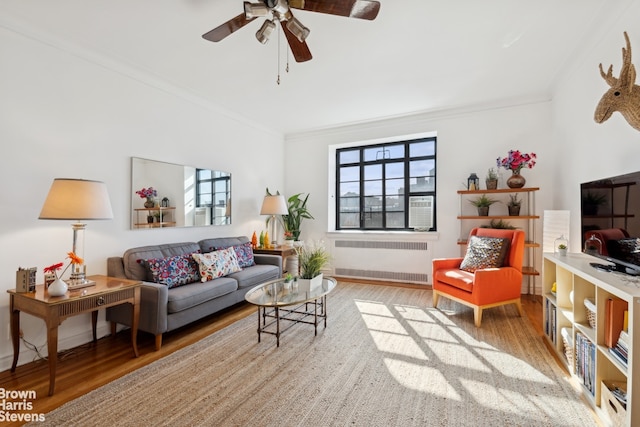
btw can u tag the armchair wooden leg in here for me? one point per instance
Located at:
(477, 316)
(158, 341)
(436, 296)
(518, 304)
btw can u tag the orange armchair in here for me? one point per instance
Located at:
(485, 287)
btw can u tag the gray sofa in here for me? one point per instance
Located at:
(163, 309)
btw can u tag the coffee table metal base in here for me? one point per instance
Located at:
(268, 316)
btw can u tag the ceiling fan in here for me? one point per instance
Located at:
(295, 32)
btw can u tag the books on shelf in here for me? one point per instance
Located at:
(621, 350)
(550, 322)
(585, 362)
(614, 319)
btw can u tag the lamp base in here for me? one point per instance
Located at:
(79, 284)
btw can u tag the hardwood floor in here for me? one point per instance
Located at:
(92, 365)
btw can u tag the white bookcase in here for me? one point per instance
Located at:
(576, 280)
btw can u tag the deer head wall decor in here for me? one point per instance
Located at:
(624, 95)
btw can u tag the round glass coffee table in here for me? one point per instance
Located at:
(279, 301)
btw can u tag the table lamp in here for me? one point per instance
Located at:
(77, 200)
(274, 205)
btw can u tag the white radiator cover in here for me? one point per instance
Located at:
(395, 260)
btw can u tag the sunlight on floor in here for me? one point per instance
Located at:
(415, 342)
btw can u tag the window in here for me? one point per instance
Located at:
(213, 192)
(389, 186)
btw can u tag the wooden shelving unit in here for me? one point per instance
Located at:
(576, 280)
(166, 213)
(527, 219)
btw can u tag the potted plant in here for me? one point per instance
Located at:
(297, 208)
(591, 202)
(482, 203)
(499, 223)
(492, 179)
(311, 260)
(514, 205)
(562, 249)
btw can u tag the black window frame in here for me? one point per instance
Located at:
(383, 160)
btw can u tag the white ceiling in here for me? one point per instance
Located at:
(417, 56)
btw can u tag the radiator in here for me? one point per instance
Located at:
(389, 260)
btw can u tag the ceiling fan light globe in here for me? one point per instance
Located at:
(300, 31)
(253, 10)
(265, 31)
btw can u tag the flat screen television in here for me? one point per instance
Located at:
(610, 213)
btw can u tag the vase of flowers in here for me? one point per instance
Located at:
(149, 194)
(514, 162)
(59, 287)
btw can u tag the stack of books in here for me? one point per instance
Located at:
(621, 350)
(585, 362)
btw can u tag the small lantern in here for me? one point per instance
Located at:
(473, 182)
(561, 245)
(593, 246)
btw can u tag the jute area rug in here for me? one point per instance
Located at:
(386, 358)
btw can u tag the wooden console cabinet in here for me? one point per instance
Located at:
(576, 280)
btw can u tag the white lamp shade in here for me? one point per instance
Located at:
(274, 205)
(77, 199)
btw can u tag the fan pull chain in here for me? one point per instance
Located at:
(279, 57)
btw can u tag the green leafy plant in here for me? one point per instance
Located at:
(591, 198)
(514, 201)
(288, 277)
(297, 208)
(492, 174)
(483, 201)
(562, 246)
(499, 223)
(312, 259)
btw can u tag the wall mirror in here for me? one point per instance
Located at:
(182, 196)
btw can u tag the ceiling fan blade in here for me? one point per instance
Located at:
(299, 49)
(362, 9)
(227, 28)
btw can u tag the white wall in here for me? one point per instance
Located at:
(586, 150)
(67, 113)
(468, 141)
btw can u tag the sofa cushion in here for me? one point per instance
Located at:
(244, 252)
(217, 263)
(485, 252)
(255, 275)
(174, 271)
(132, 259)
(188, 296)
(455, 277)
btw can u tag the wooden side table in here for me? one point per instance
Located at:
(280, 250)
(107, 292)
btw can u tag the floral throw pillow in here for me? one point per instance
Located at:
(217, 263)
(485, 252)
(244, 253)
(174, 271)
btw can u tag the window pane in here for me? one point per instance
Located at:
(350, 156)
(349, 189)
(373, 220)
(349, 204)
(348, 220)
(394, 170)
(421, 167)
(422, 184)
(205, 199)
(422, 148)
(376, 153)
(395, 204)
(372, 172)
(373, 188)
(204, 174)
(395, 219)
(421, 211)
(396, 151)
(394, 187)
(351, 173)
